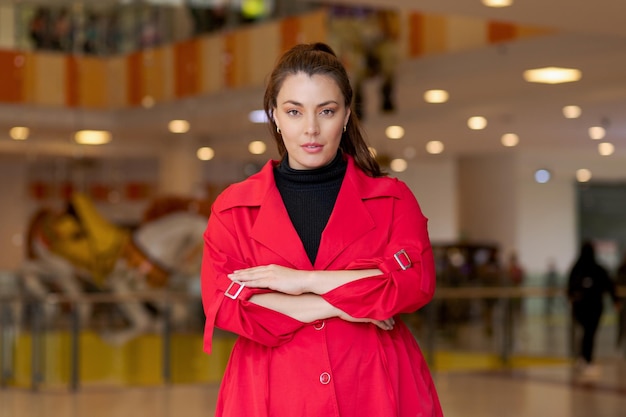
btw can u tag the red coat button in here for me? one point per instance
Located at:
(319, 325)
(325, 378)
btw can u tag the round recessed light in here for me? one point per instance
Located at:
(572, 112)
(434, 147)
(19, 133)
(257, 147)
(436, 96)
(583, 175)
(394, 132)
(542, 176)
(606, 148)
(398, 165)
(92, 137)
(205, 153)
(597, 132)
(477, 123)
(509, 139)
(178, 126)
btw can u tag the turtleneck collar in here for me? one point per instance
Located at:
(335, 170)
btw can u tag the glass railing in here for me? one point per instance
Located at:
(113, 27)
(61, 341)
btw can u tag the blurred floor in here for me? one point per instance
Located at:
(530, 392)
(472, 380)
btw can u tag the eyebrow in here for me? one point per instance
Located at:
(296, 103)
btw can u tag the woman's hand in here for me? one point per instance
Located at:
(383, 324)
(274, 277)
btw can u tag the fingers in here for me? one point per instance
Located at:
(385, 324)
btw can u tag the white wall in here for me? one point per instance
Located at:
(434, 183)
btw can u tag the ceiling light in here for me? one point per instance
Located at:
(257, 147)
(19, 133)
(178, 126)
(542, 176)
(394, 132)
(436, 96)
(552, 75)
(477, 123)
(572, 112)
(509, 139)
(434, 147)
(92, 137)
(597, 132)
(583, 175)
(497, 3)
(257, 116)
(606, 149)
(205, 153)
(398, 165)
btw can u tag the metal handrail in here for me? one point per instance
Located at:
(506, 294)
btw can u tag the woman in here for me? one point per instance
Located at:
(587, 284)
(311, 260)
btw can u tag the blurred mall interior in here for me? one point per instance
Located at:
(121, 120)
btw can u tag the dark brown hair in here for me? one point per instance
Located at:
(320, 59)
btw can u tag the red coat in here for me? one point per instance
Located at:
(281, 367)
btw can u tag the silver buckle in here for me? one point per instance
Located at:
(236, 294)
(405, 263)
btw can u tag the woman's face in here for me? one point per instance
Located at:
(311, 114)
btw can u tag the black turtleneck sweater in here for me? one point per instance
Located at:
(309, 196)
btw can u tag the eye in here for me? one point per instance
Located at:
(293, 112)
(328, 112)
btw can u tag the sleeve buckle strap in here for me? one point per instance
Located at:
(234, 292)
(402, 258)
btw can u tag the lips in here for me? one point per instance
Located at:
(312, 147)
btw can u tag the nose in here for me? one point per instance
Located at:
(312, 127)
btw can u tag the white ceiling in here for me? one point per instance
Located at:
(486, 82)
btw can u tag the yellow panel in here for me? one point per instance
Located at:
(212, 61)
(264, 48)
(48, 87)
(93, 82)
(167, 58)
(435, 33)
(465, 33)
(154, 74)
(118, 82)
(241, 62)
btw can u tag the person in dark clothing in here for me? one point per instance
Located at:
(587, 284)
(621, 284)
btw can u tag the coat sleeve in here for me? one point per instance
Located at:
(408, 279)
(228, 307)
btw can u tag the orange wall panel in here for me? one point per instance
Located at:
(500, 32)
(93, 82)
(290, 30)
(12, 76)
(134, 75)
(264, 49)
(212, 76)
(47, 85)
(117, 82)
(435, 34)
(158, 69)
(416, 34)
(314, 27)
(72, 73)
(187, 68)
